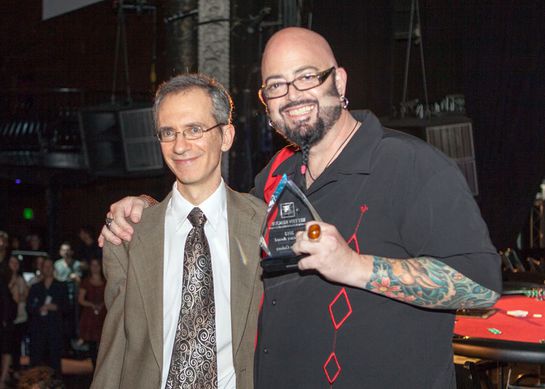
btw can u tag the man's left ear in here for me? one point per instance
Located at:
(340, 80)
(228, 136)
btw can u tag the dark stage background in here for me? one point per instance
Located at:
(492, 52)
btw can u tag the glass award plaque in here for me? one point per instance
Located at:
(287, 212)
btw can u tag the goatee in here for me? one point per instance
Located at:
(303, 133)
(306, 134)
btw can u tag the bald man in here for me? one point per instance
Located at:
(402, 245)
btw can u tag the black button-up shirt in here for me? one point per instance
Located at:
(391, 195)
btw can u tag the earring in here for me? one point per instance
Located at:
(270, 123)
(344, 101)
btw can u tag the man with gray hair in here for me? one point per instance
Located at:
(183, 296)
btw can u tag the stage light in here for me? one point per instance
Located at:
(18, 181)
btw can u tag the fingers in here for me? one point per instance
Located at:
(120, 226)
(307, 241)
(135, 213)
(117, 227)
(319, 241)
(107, 235)
(313, 232)
(101, 239)
(307, 263)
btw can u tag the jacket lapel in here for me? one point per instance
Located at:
(243, 243)
(147, 255)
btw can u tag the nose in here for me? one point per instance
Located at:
(293, 93)
(181, 144)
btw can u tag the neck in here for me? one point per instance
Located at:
(197, 194)
(328, 149)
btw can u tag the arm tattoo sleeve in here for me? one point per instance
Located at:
(427, 282)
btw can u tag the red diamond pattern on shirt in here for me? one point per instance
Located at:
(342, 305)
(332, 369)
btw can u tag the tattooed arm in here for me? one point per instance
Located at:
(424, 282)
(427, 282)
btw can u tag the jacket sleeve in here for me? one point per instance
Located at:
(110, 360)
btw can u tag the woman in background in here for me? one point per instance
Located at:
(19, 291)
(8, 312)
(91, 298)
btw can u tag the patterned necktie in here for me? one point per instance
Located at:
(193, 364)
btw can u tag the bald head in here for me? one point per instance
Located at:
(295, 46)
(299, 64)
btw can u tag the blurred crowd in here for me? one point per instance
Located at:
(50, 307)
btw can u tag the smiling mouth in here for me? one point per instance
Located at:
(184, 161)
(300, 110)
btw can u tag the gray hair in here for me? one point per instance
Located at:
(222, 104)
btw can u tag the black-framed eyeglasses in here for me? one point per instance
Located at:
(168, 134)
(302, 83)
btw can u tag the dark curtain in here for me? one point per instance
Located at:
(504, 46)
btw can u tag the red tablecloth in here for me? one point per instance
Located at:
(520, 329)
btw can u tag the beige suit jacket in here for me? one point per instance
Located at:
(131, 348)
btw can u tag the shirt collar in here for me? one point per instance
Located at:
(357, 155)
(214, 207)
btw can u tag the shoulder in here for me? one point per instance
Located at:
(410, 156)
(408, 145)
(284, 160)
(245, 200)
(249, 199)
(152, 216)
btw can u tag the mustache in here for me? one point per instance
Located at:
(296, 103)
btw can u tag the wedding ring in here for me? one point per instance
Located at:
(314, 232)
(108, 222)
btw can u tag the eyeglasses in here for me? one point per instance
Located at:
(302, 83)
(167, 134)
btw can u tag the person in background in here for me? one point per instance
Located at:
(15, 243)
(47, 302)
(34, 242)
(93, 312)
(4, 245)
(37, 266)
(66, 267)
(8, 312)
(19, 291)
(69, 270)
(87, 248)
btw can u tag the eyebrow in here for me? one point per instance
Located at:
(187, 125)
(296, 73)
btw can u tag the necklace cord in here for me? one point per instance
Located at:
(334, 154)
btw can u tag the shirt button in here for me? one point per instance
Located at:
(265, 350)
(273, 302)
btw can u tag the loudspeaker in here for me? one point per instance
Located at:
(453, 135)
(141, 147)
(120, 140)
